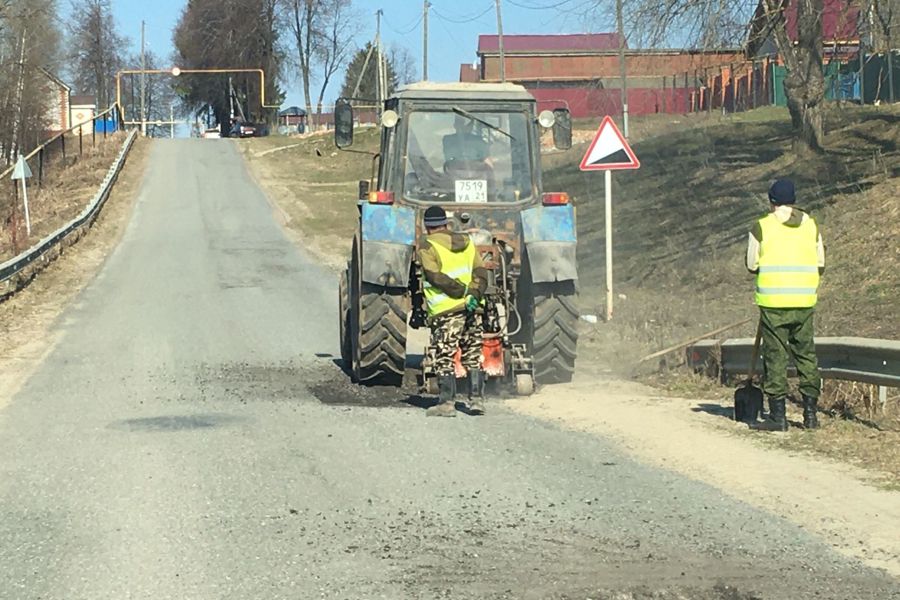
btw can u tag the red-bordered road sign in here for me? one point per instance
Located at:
(609, 151)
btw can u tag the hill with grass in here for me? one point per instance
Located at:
(681, 223)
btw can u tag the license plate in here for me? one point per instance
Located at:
(471, 190)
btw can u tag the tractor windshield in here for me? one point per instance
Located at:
(463, 156)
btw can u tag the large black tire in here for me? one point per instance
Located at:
(549, 328)
(555, 335)
(344, 316)
(377, 327)
(382, 335)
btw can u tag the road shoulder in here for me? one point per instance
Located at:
(835, 501)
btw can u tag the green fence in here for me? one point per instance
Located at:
(842, 80)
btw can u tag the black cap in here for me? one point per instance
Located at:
(435, 217)
(782, 192)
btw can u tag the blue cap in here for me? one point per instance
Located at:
(782, 192)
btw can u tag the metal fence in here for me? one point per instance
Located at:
(848, 358)
(51, 158)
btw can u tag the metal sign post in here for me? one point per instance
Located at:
(607, 219)
(609, 152)
(23, 171)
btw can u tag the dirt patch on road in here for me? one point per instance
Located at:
(697, 439)
(25, 319)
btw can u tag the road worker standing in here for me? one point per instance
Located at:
(786, 253)
(455, 281)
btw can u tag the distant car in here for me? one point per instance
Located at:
(211, 134)
(247, 130)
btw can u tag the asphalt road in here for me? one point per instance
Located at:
(192, 437)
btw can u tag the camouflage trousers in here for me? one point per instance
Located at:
(456, 330)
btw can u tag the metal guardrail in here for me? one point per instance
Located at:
(12, 267)
(849, 358)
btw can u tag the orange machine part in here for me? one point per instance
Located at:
(491, 359)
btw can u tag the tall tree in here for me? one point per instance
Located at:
(338, 25)
(887, 25)
(96, 50)
(218, 34)
(29, 55)
(302, 18)
(368, 80)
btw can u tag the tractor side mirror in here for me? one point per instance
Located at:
(562, 128)
(343, 124)
(363, 189)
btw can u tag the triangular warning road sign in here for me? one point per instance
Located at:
(21, 170)
(609, 151)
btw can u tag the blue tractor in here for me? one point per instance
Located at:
(475, 150)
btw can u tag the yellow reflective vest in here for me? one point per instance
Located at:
(457, 265)
(788, 275)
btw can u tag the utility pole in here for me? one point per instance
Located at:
(379, 94)
(620, 29)
(172, 121)
(425, 6)
(500, 42)
(143, 85)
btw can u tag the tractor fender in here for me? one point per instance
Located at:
(550, 240)
(388, 235)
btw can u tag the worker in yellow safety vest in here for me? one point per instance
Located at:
(786, 253)
(454, 284)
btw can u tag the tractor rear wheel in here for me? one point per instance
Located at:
(344, 316)
(550, 328)
(377, 324)
(382, 335)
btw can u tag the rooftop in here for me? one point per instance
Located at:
(550, 44)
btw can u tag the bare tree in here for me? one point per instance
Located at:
(161, 96)
(96, 50)
(713, 24)
(887, 17)
(338, 24)
(403, 63)
(303, 20)
(29, 53)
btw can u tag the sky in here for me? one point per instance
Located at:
(453, 29)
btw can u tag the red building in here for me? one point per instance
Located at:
(582, 71)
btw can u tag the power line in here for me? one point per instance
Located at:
(545, 7)
(406, 31)
(463, 19)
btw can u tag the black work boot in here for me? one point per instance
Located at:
(777, 419)
(446, 407)
(810, 416)
(476, 391)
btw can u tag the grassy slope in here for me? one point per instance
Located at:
(680, 226)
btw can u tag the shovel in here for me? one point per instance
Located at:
(748, 398)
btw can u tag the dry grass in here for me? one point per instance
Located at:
(64, 194)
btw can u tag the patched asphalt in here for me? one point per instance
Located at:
(193, 436)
